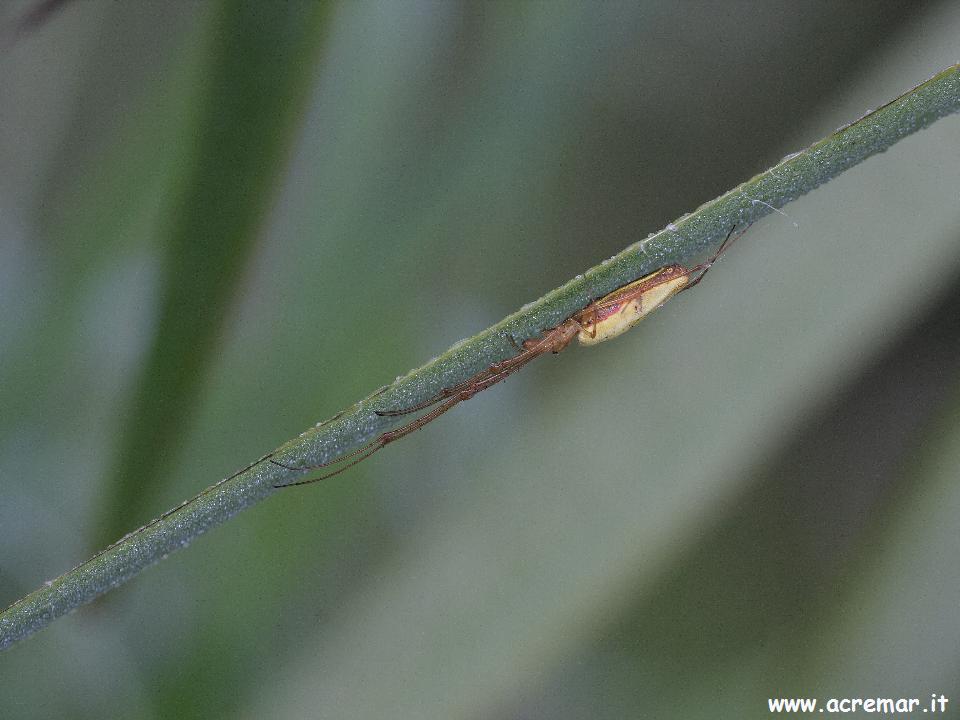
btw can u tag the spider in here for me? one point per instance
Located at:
(601, 320)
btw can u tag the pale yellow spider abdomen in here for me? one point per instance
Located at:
(616, 313)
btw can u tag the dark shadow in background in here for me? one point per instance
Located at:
(755, 74)
(765, 575)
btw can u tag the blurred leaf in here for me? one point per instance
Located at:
(254, 87)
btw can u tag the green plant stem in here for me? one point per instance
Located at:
(680, 242)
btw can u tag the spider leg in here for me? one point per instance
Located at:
(704, 267)
(390, 436)
(504, 366)
(370, 448)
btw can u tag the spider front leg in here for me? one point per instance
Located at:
(379, 443)
(554, 340)
(500, 370)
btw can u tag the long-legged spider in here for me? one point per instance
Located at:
(601, 320)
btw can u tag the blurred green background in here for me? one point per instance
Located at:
(222, 222)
